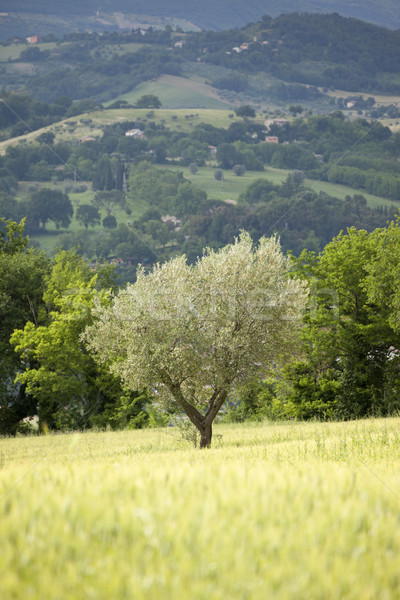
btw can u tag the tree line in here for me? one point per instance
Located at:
(313, 337)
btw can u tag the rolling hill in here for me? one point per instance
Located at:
(23, 17)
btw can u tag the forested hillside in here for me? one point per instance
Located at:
(290, 58)
(206, 15)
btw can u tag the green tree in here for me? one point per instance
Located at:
(50, 205)
(194, 333)
(239, 169)
(22, 274)
(188, 200)
(295, 109)
(103, 177)
(219, 175)
(245, 110)
(158, 231)
(383, 280)
(228, 156)
(62, 377)
(110, 222)
(47, 137)
(148, 101)
(350, 362)
(88, 215)
(261, 190)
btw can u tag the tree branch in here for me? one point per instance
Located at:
(194, 415)
(214, 408)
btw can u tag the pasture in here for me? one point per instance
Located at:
(178, 92)
(53, 238)
(283, 511)
(233, 186)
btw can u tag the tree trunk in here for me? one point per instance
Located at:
(205, 436)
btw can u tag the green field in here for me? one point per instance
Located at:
(283, 511)
(233, 186)
(178, 92)
(13, 51)
(52, 239)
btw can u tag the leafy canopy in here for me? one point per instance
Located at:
(193, 333)
(58, 372)
(22, 273)
(350, 366)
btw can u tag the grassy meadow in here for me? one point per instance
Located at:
(178, 92)
(287, 511)
(233, 186)
(52, 239)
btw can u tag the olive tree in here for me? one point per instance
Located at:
(191, 334)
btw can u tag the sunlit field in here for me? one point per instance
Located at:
(178, 92)
(233, 186)
(271, 511)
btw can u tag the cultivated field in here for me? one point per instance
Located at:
(287, 511)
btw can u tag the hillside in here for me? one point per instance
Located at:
(275, 61)
(22, 17)
(68, 103)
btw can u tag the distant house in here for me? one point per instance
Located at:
(173, 220)
(94, 265)
(278, 122)
(212, 150)
(88, 138)
(116, 261)
(272, 139)
(32, 39)
(135, 133)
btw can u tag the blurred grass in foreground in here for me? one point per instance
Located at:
(284, 511)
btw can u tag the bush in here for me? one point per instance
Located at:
(79, 189)
(239, 170)
(110, 222)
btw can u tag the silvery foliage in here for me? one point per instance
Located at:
(198, 329)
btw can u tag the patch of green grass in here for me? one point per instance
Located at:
(341, 191)
(178, 92)
(288, 511)
(233, 186)
(52, 239)
(13, 51)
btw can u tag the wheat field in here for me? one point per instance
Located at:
(289, 511)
